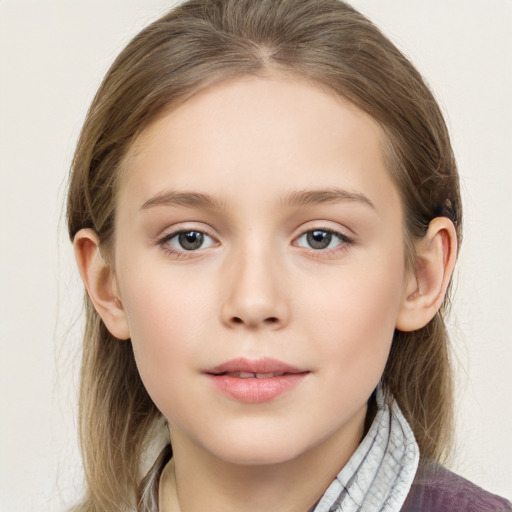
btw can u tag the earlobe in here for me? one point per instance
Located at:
(426, 285)
(100, 281)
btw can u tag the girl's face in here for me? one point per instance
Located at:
(259, 232)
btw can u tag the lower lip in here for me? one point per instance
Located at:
(255, 391)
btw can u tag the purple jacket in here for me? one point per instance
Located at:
(435, 489)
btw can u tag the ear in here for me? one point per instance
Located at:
(100, 281)
(426, 285)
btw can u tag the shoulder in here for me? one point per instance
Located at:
(436, 489)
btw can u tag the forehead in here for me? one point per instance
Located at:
(273, 134)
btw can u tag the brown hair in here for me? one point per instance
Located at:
(196, 44)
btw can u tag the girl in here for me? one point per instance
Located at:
(265, 212)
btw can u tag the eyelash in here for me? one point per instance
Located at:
(345, 241)
(168, 249)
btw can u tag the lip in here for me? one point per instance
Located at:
(255, 389)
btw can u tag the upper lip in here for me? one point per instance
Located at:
(262, 365)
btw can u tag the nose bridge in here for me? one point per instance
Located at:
(255, 295)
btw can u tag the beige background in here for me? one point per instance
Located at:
(53, 53)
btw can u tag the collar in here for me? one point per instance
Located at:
(380, 473)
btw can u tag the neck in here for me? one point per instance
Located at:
(205, 482)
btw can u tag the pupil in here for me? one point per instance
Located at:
(319, 239)
(191, 240)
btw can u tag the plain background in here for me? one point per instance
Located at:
(53, 55)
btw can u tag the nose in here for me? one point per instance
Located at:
(255, 291)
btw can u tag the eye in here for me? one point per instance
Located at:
(186, 241)
(321, 239)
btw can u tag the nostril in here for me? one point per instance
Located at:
(270, 320)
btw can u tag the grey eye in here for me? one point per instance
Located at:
(318, 239)
(190, 240)
(321, 239)
(187, 241)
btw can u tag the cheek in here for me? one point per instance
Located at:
(163, 302)
(167, 325)
(355, 319)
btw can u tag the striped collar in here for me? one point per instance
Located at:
(379, 475)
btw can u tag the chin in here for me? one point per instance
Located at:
(258, 450)
(257, 457)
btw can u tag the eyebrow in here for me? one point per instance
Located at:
(330, 195)
(187, 199)
(295, 199)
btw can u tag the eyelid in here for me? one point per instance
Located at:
(322, 225)
(163, 241)
(345, 240)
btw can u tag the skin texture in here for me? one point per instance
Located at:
(256, 288)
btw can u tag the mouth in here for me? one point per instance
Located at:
(255, 381)
(249, 375)
(262, 368)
